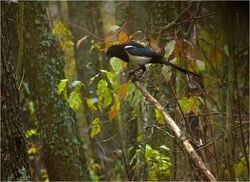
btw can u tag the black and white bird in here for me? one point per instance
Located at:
(137, 56)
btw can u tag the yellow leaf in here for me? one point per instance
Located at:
(122, 91)
(91, 105)
(113, 112)
(123, 37)
(159, 117)
(32, 150)
(96, 127)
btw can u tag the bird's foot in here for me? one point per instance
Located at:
(136, 75)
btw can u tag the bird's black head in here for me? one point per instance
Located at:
(117, 51)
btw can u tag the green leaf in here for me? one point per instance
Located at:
(140, 138)
(31, 107)
(110, 76)
(103, 71)
(104, 93)
(130, 92)
(159, 117)
(75, 100)
(169, 48)
(91, 104)
(200, 64)
(31, 132)
(116, 65)
(93, 78)
(77, 85)
(241, 168)
(102, 84)
(96, 127)
(107, 97)
(62, 86)
(189, 104)
(164, 147)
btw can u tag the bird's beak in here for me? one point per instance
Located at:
(107, 57)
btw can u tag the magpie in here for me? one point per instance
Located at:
(137, 56)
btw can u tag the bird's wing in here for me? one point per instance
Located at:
(141, 51)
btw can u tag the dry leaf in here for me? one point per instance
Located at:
(122, 91)
(113, 112)
(123, 37)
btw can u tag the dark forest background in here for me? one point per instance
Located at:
(67, 114)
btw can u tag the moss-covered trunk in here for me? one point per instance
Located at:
(62, 149)
(14, 158)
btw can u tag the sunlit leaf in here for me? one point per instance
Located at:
(31, 133)
(123, 37)
(75, 100)
(122, 91)
(79, 42)
(241, 167)
(116, 65)
(102, 84)
(140, 138)
(91, 104)
(93, 78)
(169, 48)
(110, 76)
(32, 150)
(95, 127)
(77, 85)
(105, 96)
(164, 147)
(62, 86)
(189, 104)
(159, 117)
(31, 107)
(200, 64)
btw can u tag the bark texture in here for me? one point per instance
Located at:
(63, 153)
(14, 158)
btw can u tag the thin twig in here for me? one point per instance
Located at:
(97, 37)
(87, 31)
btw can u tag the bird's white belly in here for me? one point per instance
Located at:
(137, 61)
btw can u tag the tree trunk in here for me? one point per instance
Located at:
(127, 12)
(62, 149)
(14, 158)
(88, 63)
(228, 138)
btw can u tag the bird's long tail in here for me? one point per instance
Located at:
(178, 68)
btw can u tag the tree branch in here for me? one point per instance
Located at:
(178, 134)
